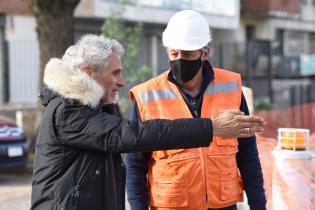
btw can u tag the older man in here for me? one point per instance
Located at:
(78, 151)
(200, 178)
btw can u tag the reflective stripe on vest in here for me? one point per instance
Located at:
(199, 178)
(155, 95)
(223, 87)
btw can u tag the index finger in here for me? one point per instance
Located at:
(251, 118)
(235, 111)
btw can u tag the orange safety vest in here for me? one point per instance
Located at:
(199, 178)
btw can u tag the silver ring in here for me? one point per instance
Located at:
(247, 130)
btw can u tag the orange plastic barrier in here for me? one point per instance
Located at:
(302, 116)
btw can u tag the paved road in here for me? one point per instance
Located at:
(15, 191)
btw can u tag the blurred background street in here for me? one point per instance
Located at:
(15, 190)
(270, 43)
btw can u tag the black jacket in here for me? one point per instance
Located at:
(78, 161)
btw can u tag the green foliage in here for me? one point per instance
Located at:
(44, 5)
(129, 35)
(262, 105)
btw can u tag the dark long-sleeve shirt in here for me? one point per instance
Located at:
(247, 158)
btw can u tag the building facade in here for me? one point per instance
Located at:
(271, 43)
(223, 16)
(19, 54)
(282, 51)
(19, 58)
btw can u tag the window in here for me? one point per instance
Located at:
(312, 43)
(278, 43)
(250, 33)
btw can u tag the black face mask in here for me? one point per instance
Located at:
(185, 70)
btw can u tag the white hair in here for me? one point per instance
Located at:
(64, 77)
(93, 51)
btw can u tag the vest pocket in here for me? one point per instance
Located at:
(230, 185)
(221, 146)
(171, 194)
(168, 185)
(165, 153)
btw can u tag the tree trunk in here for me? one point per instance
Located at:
(55, 30)
(55, 34)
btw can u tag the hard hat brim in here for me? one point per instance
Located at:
(180, 44)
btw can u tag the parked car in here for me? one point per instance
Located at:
(13, 145)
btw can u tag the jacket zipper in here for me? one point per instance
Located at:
(77, 187)
(76, 196)
(121, 201)
(203, 164)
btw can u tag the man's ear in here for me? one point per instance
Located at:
(87, 70)
(205, 54)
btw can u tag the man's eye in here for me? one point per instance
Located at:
(188, 55)
(116, 73)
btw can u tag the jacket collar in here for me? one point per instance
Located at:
(71, 83)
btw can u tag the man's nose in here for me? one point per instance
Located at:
(121, 81)
(180, 55)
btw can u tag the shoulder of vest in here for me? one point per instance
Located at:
(151, 82)
(226, 73)
(148, 85)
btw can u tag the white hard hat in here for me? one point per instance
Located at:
(186, 30)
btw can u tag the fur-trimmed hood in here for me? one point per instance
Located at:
(72, 83)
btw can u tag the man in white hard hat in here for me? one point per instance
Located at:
(212, 177)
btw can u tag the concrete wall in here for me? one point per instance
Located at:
(86, 8)
(228, 36)
(268, 16)
(308, 11)
(14, 7)
(268, 6)
(219, 14)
